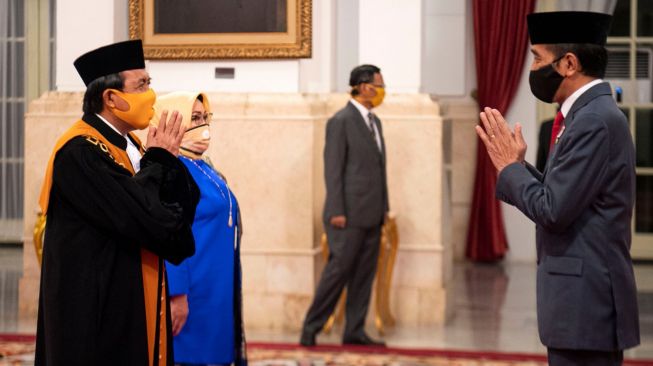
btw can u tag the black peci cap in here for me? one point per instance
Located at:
(110, 59)
(569, 27)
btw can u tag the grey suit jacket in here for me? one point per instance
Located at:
(354, 170)
(582, 205)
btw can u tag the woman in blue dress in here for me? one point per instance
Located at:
(205, 289)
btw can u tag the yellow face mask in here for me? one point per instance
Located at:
(141, 108)
(378, 98)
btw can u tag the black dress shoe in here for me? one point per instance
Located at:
(307, 339)
(363, 340)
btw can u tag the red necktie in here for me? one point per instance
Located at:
(557, 125)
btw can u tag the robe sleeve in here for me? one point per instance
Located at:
(155, 208)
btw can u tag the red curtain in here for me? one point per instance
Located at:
(501, 40)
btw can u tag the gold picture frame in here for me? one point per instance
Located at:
(294, 42)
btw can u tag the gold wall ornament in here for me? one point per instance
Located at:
(387, 256)
(39, 235)
(294, 42)
(389, 244)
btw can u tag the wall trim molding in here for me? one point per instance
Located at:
(310, 252)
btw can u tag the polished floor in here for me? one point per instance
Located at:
(492, 309)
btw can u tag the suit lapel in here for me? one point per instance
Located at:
(377, 123)
(588, 96)
(592, 93)
(362, 128)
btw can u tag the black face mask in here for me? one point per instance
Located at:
(545, 82)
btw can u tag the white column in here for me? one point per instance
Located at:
(444, 61)
(83, 25)
(390, 37)
(317, 74)
(346, 49)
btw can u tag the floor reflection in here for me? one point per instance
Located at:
(486, 287)
(10, 272)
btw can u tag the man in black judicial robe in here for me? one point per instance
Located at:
(100, 217)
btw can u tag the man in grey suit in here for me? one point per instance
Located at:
(582, 203)
(355, 208)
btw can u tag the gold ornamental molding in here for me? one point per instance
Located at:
(295, 42)
(39, 234)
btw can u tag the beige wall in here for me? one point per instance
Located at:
(269, 146)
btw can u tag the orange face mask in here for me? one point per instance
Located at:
(141, 108)
(378, 98)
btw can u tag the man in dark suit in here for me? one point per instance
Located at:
(355, 208)
(582, 203)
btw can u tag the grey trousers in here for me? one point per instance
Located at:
(353, 253)
(570, 357)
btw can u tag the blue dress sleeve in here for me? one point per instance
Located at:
(178, 278)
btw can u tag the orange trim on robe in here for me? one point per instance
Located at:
(149, 261)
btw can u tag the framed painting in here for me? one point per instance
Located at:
(222, 29)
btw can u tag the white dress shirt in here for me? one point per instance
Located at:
(369, 124)
(132, 151)
(566, 105)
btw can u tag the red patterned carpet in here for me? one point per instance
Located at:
(274, 354)
(18, 350)
(291, 355)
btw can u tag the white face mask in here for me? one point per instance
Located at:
(195, 141)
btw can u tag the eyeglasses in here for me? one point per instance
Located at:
(377, 86)
(206, 118)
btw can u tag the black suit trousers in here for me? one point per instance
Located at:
(571, 357)
(353, 255)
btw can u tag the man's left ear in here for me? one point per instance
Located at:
(106, 96)
(571, 64)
